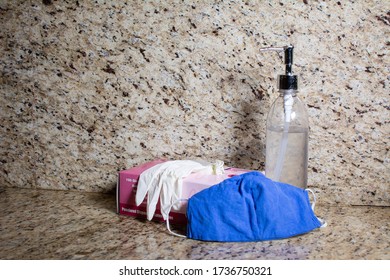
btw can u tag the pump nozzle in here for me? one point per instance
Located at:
(288, 80)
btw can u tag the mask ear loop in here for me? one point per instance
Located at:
(313, 205)
(167, 220)
(322, 221)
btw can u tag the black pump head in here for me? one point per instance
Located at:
(288, 81)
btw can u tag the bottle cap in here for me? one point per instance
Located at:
(288, 82)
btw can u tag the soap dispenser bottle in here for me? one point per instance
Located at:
(287, 129)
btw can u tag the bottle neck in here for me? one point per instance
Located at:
(284, 92)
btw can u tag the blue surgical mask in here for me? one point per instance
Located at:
(250, 207)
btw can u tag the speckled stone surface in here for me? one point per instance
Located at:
(44, 224)
(92, 87)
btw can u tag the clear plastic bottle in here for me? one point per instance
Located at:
(287, 129)
(287, 142)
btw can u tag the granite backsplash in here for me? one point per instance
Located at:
(93, 87)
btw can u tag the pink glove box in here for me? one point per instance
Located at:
(195, 182)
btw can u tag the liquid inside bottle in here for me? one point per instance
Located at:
(294, 165)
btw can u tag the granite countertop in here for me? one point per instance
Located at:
(43, 224)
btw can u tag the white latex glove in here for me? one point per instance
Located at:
(171, 182)
(147, 179)
(165, 181)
